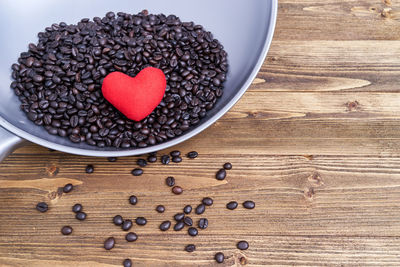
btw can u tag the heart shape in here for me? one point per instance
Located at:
(135, 97)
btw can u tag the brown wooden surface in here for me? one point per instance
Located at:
(315, 142)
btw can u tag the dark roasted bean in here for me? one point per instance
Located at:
(192, 231)
(179, 217)
(219, 257)
(227, 166)
(112, 159)
(179, 226)
(160, 208)
(117, 220)
(68, 188)
(141, 162)
(126, 225)
(141, 221)
(200, 209)
(165, 159)
(176, 159)
(177, 190)
(151, 159)
(133, 200)
(137, 172)
(127, 263)
(175, 153)
(164, 226)
(242, 245)
(221, 174)
(203, 223)
(80, 216)
(77, 208)
(190, 248)
(207, 201)
(249, 204)
(109, 243)
(187, 209)
(188, 221)
(131, 237)
(66, 230)
(42, 206)
(89, 168)
(232, 205)
(170, 181)
(192, 154)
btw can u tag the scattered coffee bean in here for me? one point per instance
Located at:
(207, 201)
(175, 153)
(152, 159)
(118, 220)
(164, 226)
(200, 209)
(179, 226)
(77, 208)
(127, 263)
(190, 248)
(177, 159)
(249, 204)
(126, 225)
(42, 206)
(165, 159)
(177, 190)
(187, 209)
(242, 245)
(221, 174)
(203, 223)
(66, 230)
(219, 257)
(137, 172)
(160, 208)
(227, 166)
(170, 181)
(141, 221)
(80, 216)
(131, 237)
(188, 221)
(109, 243)
(179, 217)
(141, 162)
(68, 188)
(89, 168)
(112, 159)
(232, 205)
(192, 154)
(133, 200)
(192, 231)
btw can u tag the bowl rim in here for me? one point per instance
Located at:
(138, 151)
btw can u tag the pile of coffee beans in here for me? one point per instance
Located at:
(58, 80)
(181, 218)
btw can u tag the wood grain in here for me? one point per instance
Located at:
(315, 142)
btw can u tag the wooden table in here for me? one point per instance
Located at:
(315, 142)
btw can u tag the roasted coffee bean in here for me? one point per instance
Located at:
(219, 257)
(131, 237)
(160, 208)
(126, 225)
(66, 230)
(89, 168)
(200, 209)
(133, 200)
(141, 162)
(203, 223)
(109, 243)
(151, 159)
(192, 231)
(188, 221)
(177, 190)
(141, 221)
(112, 159)
(179, 217)
(179, 226)
(77, 208)
(118, 220)
(42, 206)
(221, 174)
(164, 226)
(192, 154)
(80, 216)
(127, 263)
(187, 209)
(68, 188)
(190, 248)
(175, 153)
(207, 201)
(249, 204)
(165, 159)
(227, 166)
(242, 245)
(177, 159)
(137, 172)
(232, 205)
(170, 181)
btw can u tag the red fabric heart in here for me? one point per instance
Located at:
(135, 97)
